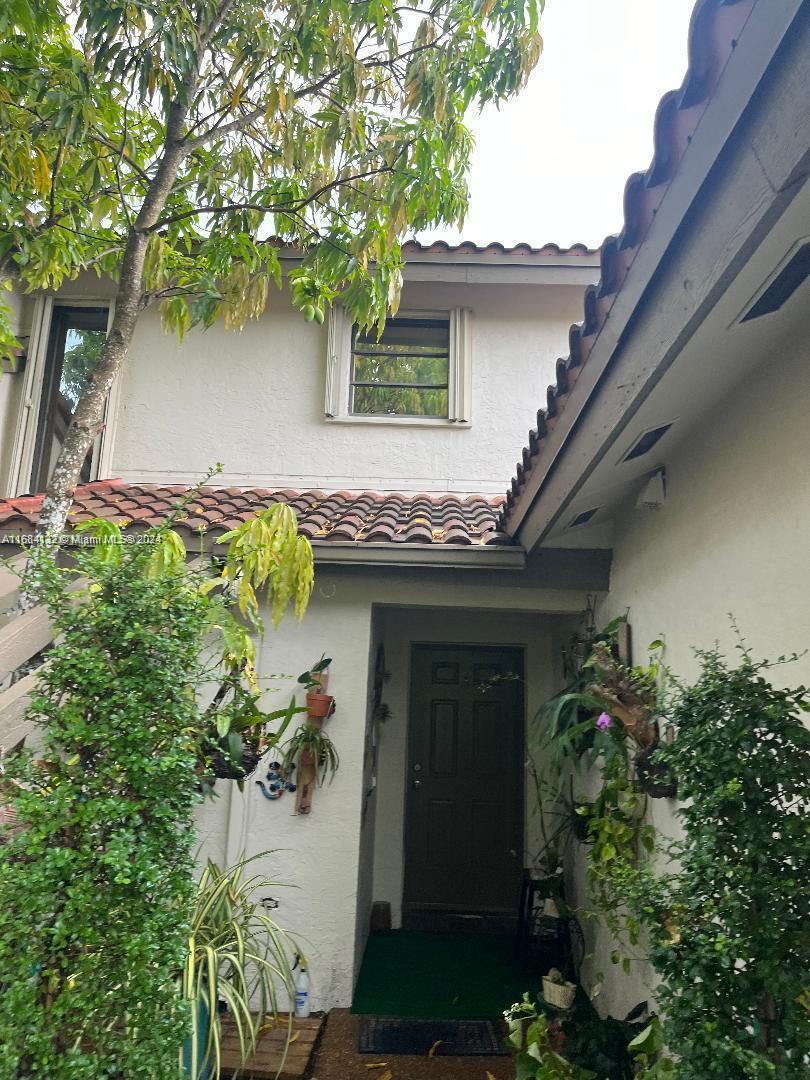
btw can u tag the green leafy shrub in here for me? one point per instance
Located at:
(539, 1043)
(96, 885)
(735, 953)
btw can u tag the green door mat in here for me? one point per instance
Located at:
(439, 976)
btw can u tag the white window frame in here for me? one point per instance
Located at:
(339, 372)
(22, 461)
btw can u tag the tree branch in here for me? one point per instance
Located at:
(244, 122)
(123, 155)
(290, 207)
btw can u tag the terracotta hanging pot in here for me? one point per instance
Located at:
(319, 705)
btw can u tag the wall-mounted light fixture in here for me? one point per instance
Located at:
(654, 493)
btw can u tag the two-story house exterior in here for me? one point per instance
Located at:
(399, 490)
(665, 474)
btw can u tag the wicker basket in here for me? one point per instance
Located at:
(560, 995)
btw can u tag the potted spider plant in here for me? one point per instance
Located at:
(238, 957)
(311, 746)
(320, 705)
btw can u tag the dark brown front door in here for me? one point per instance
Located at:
(464, 812)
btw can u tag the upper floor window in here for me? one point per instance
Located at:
(404, 372)
(76, 338)
(65, 345)
(417, 371)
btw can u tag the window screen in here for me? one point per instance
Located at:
(403, 373)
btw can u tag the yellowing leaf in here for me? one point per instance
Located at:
(435, 1047)
(42, 172)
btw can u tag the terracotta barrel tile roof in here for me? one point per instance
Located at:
(339, 517)
(468, 247)
(713, 32)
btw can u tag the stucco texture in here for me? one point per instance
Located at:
(255, 400)
(731, 539)
(326, 863)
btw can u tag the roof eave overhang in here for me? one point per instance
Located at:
(601, 403)
(505, 269)
(483, 556)
(580, 271)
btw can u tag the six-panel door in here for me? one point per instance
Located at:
(464, 807)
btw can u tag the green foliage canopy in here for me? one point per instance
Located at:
(333, 127)
(96, 884)
(729, 928)
(737, 966)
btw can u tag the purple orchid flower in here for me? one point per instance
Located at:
(604, 721)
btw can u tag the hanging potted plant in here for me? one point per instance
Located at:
(312, 747)
(312, 753)
(320, 705)
(628, 693)
(655, 777)
(240, 739)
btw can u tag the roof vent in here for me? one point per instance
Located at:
(644, 443)
(583, 518)
(783, 286)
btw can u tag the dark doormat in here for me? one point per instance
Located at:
(455, 1038)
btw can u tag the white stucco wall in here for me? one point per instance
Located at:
(732, 537)
(11, 383)
(326, 858)
(255, 400)
(315, 857)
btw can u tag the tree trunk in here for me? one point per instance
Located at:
(89, 415)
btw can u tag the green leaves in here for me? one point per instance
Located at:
(236, 954)
(728, 926)
(314, 741)
(98, 879)
(267, 553)
(337, 130)
(538, 1042)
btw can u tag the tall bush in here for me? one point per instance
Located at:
(730, 927)
(96, 883)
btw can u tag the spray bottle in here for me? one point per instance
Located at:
(302, 1002)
